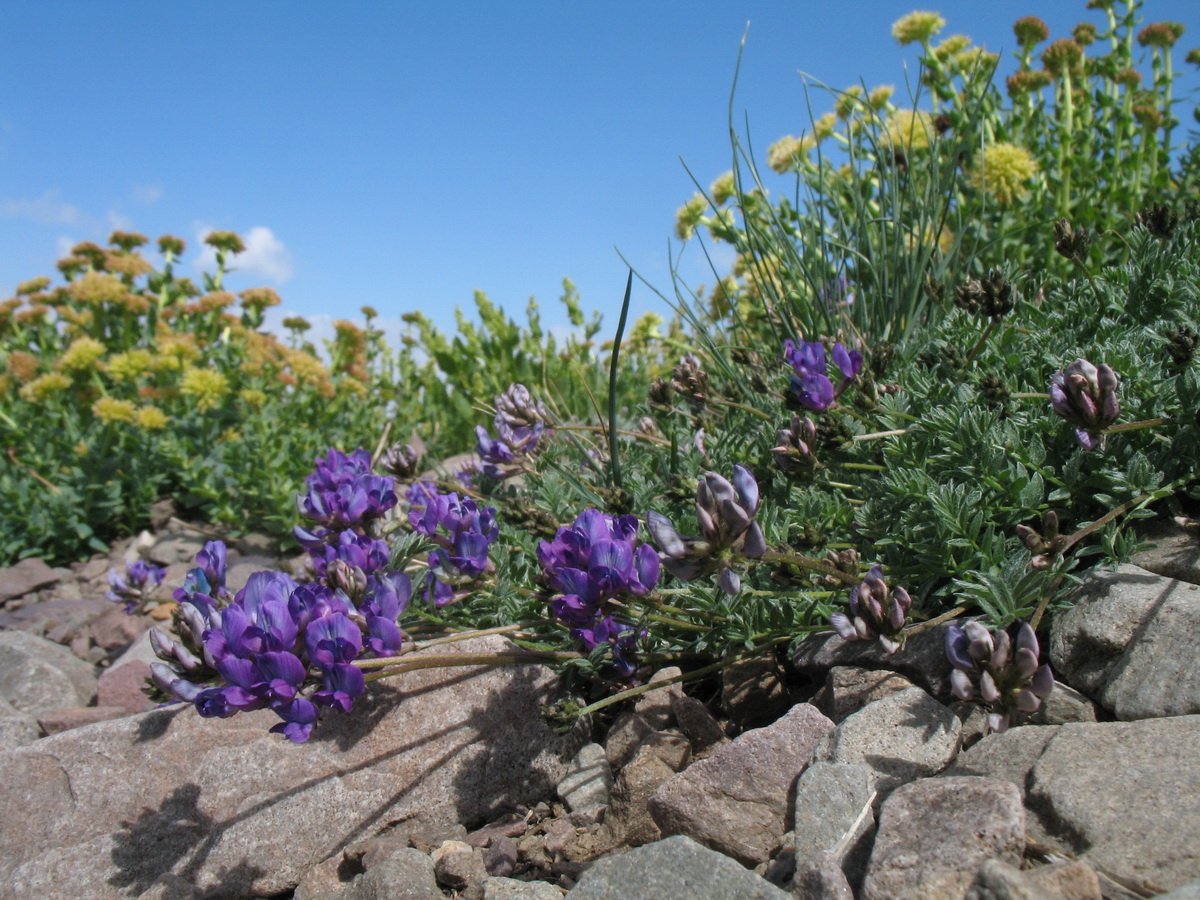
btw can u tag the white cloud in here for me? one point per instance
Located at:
(63, 246)
(119, 222)
(48, 209)
(148, 194)
(265, 255)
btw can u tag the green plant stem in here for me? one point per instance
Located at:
(916, 629)
(742, 406)
(864, 467)
(614, 461)
(1136, 426)
(398, 665)
(815, 565)
(895, 432)
(640, 435)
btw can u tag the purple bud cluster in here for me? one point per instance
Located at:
(282, 645)
(810, 385)
(875, 612)
(136, 586)
(725, 513)
(521, 424)
(463, 533)
(1086, 396)
(597, 559)
(999, 669)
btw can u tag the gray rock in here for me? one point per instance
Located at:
(499, 888)
(459, 868)
(588, 779)
(1065, 704)
(500, 858)
(241, 568)
(1130, 642)
(1009, 756)
(1173, 553)
(624, 738)
(703, 731)
(922, 659)
(16, 728)
(849, 688)
(629, 818)
(935, 833)
(64, 619)
(170, 549)
(820, 877)
(1072, 880)
(737, 801)
(833, 815)
(37, 675)
(655, 706)
(26, 576)
(221, 802)
(997, 880)
(676, 868)
(901, 737)
(1187, 892)
(58, 720)
(405, 874)
(753, 692)
(1123, 797)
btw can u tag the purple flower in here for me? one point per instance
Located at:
(138, 583)
(998, 668)
(343, 493)
(725, 513)
(875, 612)
(1086, 396)
(810, 385)
(463, 533)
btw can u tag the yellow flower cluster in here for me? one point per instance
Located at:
(788, 153)
(1004, 172)
(723, 188)
(252, 397)
(909, 130)
(207, 386)
(110, 409)
(917, 27)
(130, 364)
(22, 366)
(45, 386)
(688, 216)
(150, 418)
(84, 353)
(95, 288)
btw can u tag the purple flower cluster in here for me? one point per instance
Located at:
(521, 424)
(810, 385)
(1086, 396)
(725, 513)
(999, 669)
(286, 646)
(276, 644)
(136, 585)
(463, 532)
(597, 559)
(875, 611)
(344, 497)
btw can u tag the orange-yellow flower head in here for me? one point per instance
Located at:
(917, 27)
(110, 409)
(83, 354)
(207, 386)
(1004, 172)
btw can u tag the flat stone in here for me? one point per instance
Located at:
(121, 687)
(59, 720)
(922, 659)
(16, 728)
(1123, 797)
(114, 629)
(676, 868)
(588, 779)
(655, 706)
(833, 814)
(113, 806)
(67, 617)
(629, 818)
(1130, 642)
(737, 800)
(935, 833)
(405, 874)
(1187, 892)
(499, 888)
(698, 725)
(849, 688)
(820, 877)
(902, 737)
(624, 738)
(37, 675)
(753, 692)
(1065, 704)
(1009, 756)
(27, 576)
(997, 880)
(1073, 880)
(1173, 552)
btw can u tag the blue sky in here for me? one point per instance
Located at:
(404, 155)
